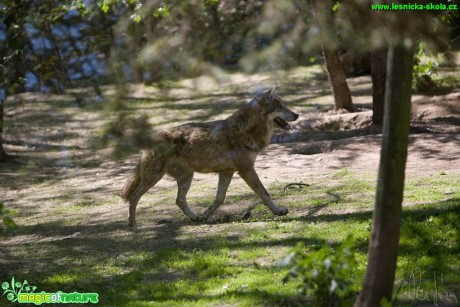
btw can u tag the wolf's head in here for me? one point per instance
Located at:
(275, 109)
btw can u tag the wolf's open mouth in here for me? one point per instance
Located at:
(282, 123)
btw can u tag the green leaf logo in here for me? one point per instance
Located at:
(14, 288)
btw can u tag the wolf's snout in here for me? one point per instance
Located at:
(295, 115)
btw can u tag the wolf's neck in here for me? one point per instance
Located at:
(255, 134)
(259, 137)
(252, 128)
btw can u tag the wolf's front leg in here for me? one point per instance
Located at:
(224, 181)
(183, 185)
(249, 175)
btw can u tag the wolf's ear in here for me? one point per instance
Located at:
(270, 93)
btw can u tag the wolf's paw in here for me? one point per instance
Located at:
(281, 211)
(208, 219)
(131, 222)
(198, 218)
(207, 216)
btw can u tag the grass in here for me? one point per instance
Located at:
(235, 263)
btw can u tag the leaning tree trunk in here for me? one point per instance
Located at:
(379, 70)
(383, 246)
(335, 72)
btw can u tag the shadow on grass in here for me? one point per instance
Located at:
(127, 266)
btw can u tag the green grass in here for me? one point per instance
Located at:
(235, 263)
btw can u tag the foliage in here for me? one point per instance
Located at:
(6, 216)
(327, 274)
(149, 41)
(47, 45)
(424, 69)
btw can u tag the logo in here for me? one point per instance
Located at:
(24, 293)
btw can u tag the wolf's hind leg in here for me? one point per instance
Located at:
(184, 182)
(253, 181)
(224, 181)
(149, 171)
(143, 187)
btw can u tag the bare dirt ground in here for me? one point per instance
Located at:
(56, 178)
(434, 144)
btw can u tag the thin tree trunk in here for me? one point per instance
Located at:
(383, 246)
(378, 68)
(335, 72)
(339, 86)
(62, 73)
(3, 154)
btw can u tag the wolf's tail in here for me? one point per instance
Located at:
(132, 183)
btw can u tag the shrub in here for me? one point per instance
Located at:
(328, 275)
(424, 69)
(7, 221)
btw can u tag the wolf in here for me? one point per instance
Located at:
(222, 146)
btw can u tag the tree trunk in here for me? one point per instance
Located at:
(339, 86)
(335, 72)
(383, 246)
(3, 154)
(378, 68)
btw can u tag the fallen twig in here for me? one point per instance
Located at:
(298, 184)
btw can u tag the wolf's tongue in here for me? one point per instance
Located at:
(282, 123)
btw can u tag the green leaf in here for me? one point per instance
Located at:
(336, 7)
(161, 12)
(105, 7)
(136, 17)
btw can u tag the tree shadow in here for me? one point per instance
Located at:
(39, 252)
